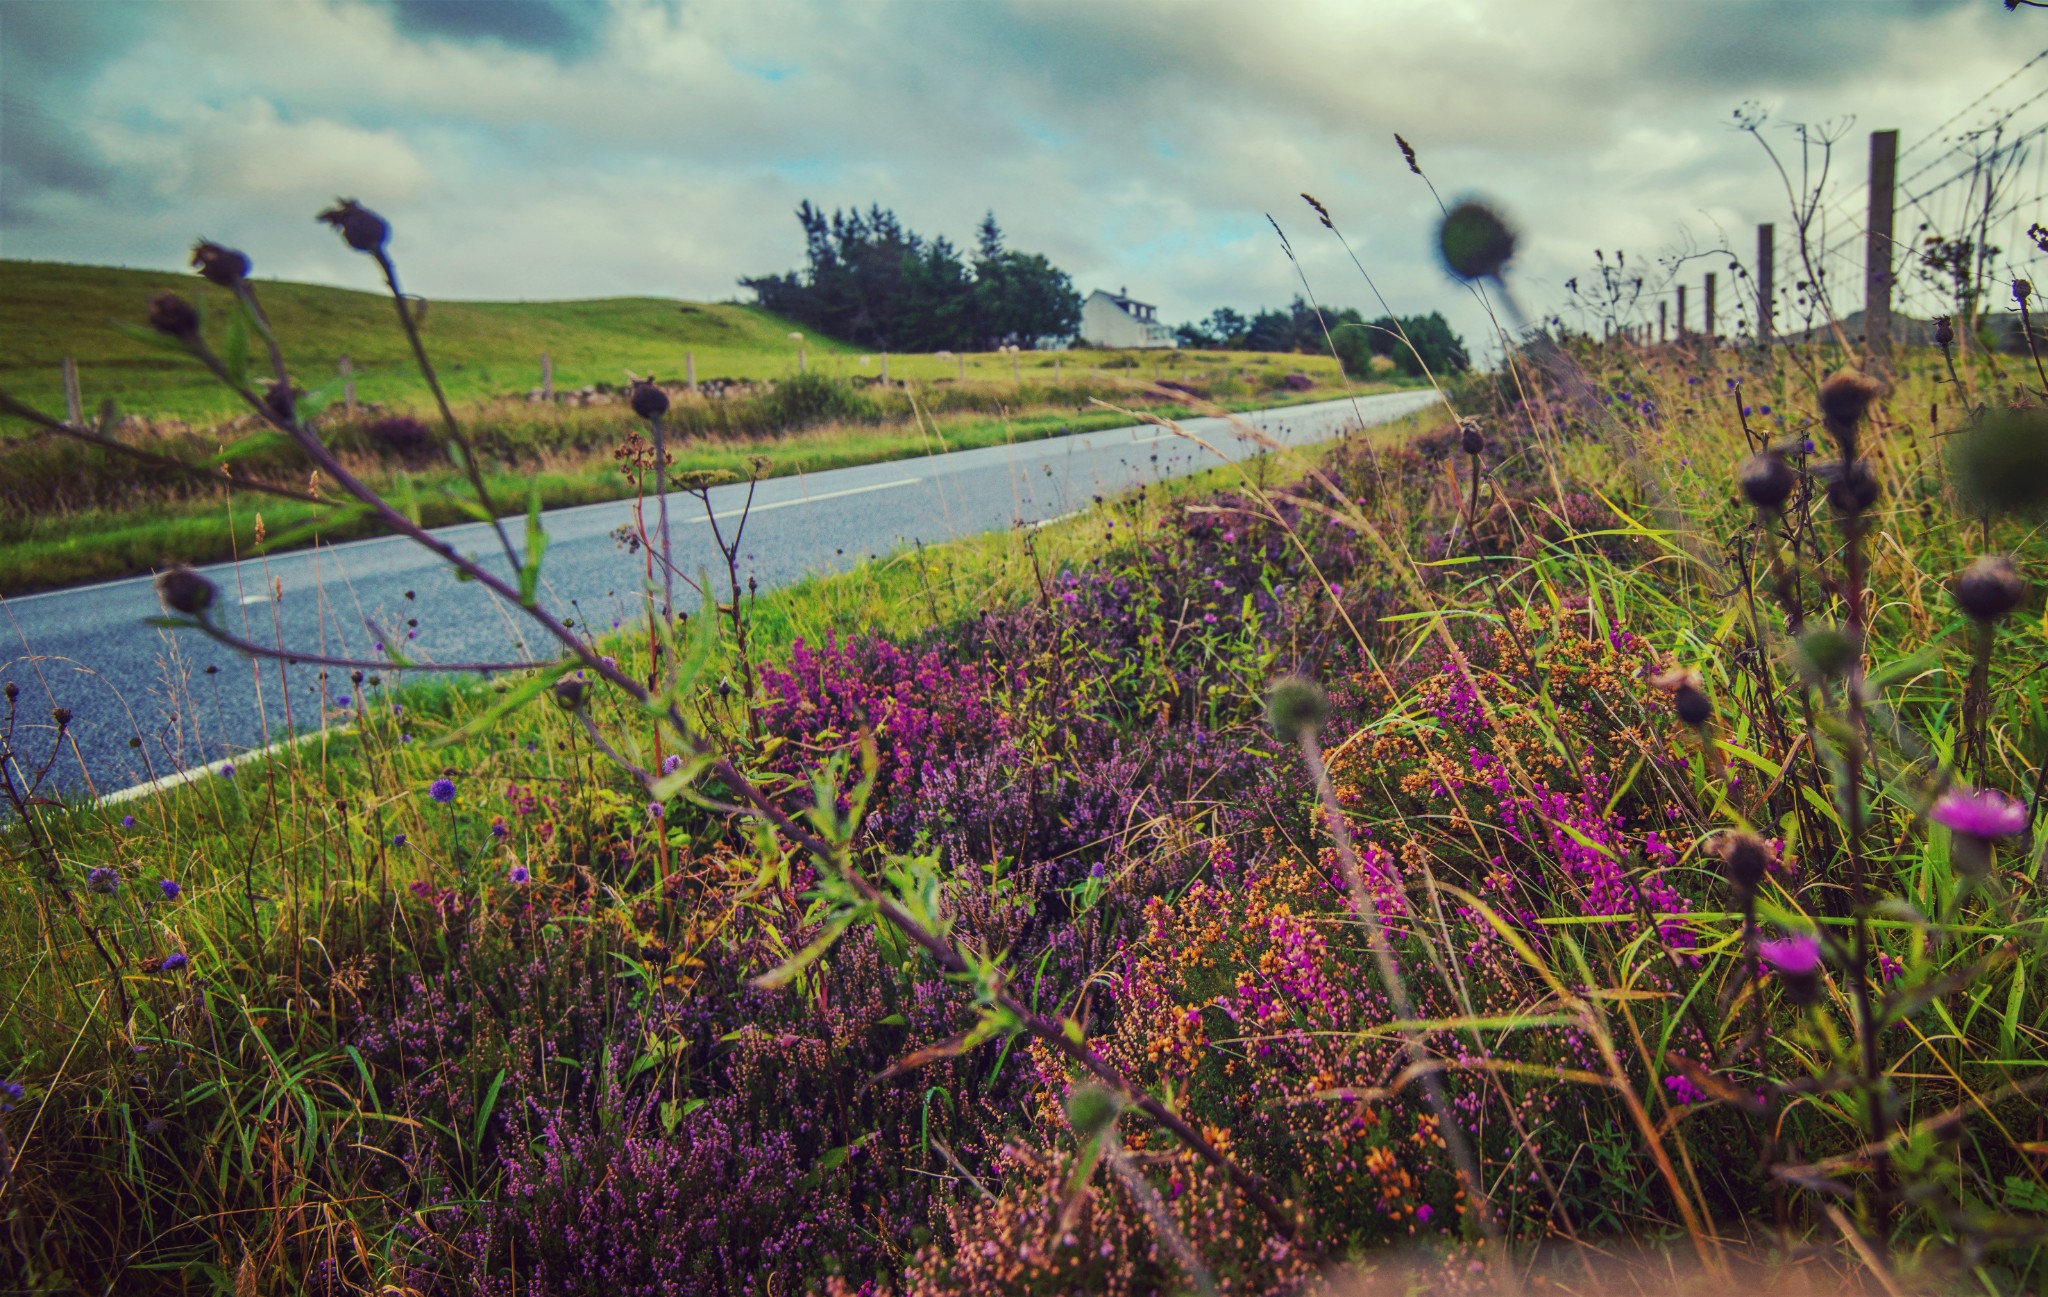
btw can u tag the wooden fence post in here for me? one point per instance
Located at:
(1707, 311)
(1663, 315)
(74, 405)
(1766, 271)
(1877, 250)
(547, 376)
(348, 387)
(1681, 312)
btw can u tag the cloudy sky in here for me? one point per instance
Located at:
(564, 149)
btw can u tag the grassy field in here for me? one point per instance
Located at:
(484, 350)
(76, 513)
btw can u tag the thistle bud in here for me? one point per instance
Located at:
(185, 591)
(1825, 654)
(649, 401)
(1944, 331)
(61, 715)
(13, 691)
(569, 694)
(219, 265)
(1745, 860)
(281, 399)
(1475, 242)
(1090, 1109)
(1854, 489)
(1296, 705)
(1767, 480)
(1844, 401)
(361, 228)
(2021, 291)
(1989, 588)
(1693, 707)
(1470, 439)
(1797, 962)
(173, 316)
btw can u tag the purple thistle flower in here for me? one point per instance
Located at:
(1984, 814)
(169, 887)
(102, 880)
(174, 961)
(520, 875)
(127, 821)
(442, 790)
(1791, 956)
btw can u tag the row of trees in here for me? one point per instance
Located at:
(872, 281)
(1355, 339)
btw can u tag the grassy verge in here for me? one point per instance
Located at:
(40, 551)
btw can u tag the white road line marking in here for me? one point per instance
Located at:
(248, 599)
(200, 772)
(822, 495)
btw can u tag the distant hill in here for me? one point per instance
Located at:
(50, 310)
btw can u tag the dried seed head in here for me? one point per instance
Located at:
(361, 228)
(1745, 859)
(1296, 705)
(185, 591)
(174, 317)
(569, 694)
(1944, 331)
(61, 715)
(649, 401)
(281, 399)
(1470, 439)
(2021, 291)
(1844, 400)
(1693, 706)
(1475, 242)
(1767, 480)
(1854, 489)
(1989, 588)
(1408, 154)
(219, 265)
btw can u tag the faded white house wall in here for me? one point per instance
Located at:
(1117, 320)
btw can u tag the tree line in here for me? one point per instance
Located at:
(871, 280)
(1354, 339)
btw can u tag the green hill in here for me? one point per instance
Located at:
(50, 310)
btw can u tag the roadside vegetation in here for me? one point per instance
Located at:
(1588, 840)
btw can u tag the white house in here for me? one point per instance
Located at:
(1116, 320)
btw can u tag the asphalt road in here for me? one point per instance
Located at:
(193, 702)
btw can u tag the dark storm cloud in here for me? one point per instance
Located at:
(48, 51)
(1743, 43)
(564, 28)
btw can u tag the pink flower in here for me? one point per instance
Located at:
(1987, 813)
(1791, 956)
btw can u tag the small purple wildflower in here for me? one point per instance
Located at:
(520, 875)
(103, 880)
(654, 810)
(1683, 1090)
(671, 763)
(398, 839)
(10, 1093)
(227, 770)
(127, 821)
(343, 700)
(174, 961)
(169, 887)
(498, 829)
(1423, 1214)
(442, 790)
